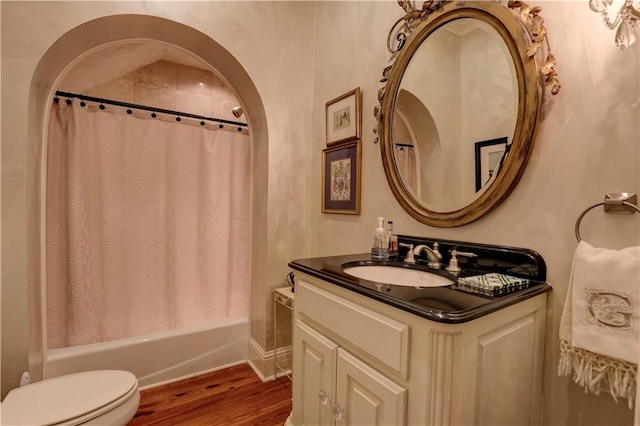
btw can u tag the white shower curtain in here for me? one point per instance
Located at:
(147, 225)
(406, 163)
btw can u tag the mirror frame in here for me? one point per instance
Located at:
(522, 43)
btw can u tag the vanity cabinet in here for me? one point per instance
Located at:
(333, 380)
(360, 361)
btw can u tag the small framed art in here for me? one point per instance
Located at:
(343, 117)
(489, 154)
(341, 173)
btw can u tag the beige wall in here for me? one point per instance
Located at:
(589, 144)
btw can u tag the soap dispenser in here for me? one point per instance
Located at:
(380, 248)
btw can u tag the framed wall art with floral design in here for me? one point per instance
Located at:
(341, 171)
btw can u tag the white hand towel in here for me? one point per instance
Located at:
(599, 325)
(606, 286)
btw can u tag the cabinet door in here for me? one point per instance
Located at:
(314, 371)
(510, 373)
(366, 397)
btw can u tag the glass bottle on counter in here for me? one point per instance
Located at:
(393, 241)
(380, 248)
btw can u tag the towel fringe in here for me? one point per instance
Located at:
(594, 372)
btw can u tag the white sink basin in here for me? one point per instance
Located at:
(397, 275)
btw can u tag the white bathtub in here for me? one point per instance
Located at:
(161, 357)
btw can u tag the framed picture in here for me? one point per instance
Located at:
(341, 178)
(489, 155)
(343, 117)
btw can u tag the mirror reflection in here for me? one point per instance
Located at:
(456, 111)
(460, 105)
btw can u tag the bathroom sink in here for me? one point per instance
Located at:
(396, 274)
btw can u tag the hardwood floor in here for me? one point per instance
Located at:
(234, 396)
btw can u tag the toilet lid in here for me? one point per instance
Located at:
(64, 398)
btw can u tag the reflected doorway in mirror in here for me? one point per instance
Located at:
(490, 155)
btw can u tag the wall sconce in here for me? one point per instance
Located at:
(237, 111)
(626, 19)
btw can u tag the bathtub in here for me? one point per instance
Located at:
(161, 357)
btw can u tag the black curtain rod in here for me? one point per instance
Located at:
(152, 109)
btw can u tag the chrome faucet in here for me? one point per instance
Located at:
(433, 255)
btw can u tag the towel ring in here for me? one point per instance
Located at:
(619, 202)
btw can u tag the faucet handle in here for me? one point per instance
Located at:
(466, 254)
(406, 245)
(409, 258)
(453, 266)
(453, 262)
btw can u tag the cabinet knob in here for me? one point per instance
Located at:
(324, 397)
(338, 412)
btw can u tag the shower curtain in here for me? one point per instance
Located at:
(406, 163)
(147, 225)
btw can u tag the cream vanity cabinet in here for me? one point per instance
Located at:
(333, 378)
(360, 361)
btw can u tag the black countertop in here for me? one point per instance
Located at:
(447, 304)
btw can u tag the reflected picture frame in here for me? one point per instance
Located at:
(341, 174)
(489, 154)
(343, 118)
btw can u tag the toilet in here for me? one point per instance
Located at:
(103, 397)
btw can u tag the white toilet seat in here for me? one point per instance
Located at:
(73, 399)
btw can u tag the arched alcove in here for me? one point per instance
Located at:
(426, 142)
(55, 63)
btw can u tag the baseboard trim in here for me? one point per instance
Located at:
(263, 362)
(188, 376)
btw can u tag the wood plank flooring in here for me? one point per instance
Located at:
(234, 396)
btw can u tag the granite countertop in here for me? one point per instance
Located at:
(448, 304)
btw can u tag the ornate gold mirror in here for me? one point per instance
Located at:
(458, 113)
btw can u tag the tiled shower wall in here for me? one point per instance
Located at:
(172, 86)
